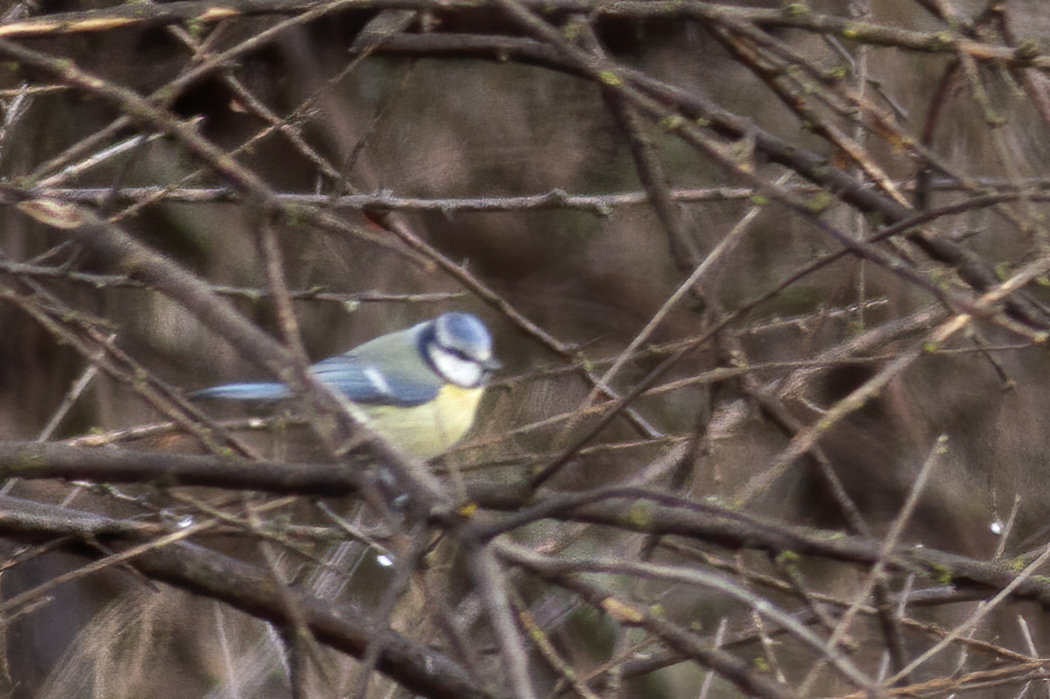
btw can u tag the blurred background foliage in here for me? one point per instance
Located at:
(563, 169)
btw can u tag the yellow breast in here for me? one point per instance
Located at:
(430, 429)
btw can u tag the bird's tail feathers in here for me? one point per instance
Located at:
(245, 391)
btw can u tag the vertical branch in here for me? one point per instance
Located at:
(488, 577)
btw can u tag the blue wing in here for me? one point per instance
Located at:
(363, 382)
(359, 381)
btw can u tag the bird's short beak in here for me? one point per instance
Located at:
(492, 364)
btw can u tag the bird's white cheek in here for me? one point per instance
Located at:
(457, 370)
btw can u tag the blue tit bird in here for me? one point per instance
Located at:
(419, 387)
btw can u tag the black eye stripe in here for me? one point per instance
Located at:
(458, 353)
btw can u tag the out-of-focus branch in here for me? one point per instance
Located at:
(118, 281)
(34, 460)
(99, 348)
(651, 512)
(31, 460)
(796, 17)
(202, 571)
(733, 668)
(692, 107)
(661, 514)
